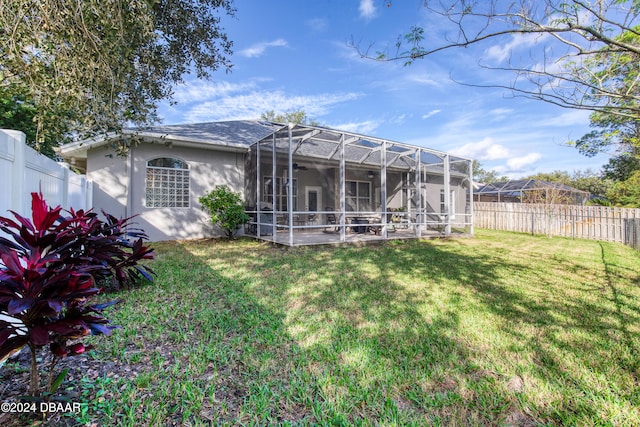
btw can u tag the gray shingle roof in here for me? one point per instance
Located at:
(310, 142)
(229, 133)
(236, 134)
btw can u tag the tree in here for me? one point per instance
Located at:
(621, 132)
(591, 181)
(582, 48)
(226, 209)
(620, 168)
(16, 112)
(626, 193)
(295, 116)
(83, 68)
(555, 176)
(553, 194)
(483, 176)
(611, 133)
(587, 180)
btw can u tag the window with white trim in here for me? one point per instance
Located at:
(167, 183)
(281, 193)
(452, 203)
(358, 196)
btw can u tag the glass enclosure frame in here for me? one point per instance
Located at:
(333, 186)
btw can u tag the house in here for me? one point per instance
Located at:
(302, 184)
(531, 191)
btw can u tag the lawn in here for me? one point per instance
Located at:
(502, 329)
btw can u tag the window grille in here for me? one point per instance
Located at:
(167, 183)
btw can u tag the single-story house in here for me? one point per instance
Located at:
(302, 184)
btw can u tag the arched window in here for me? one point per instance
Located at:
(167, 183)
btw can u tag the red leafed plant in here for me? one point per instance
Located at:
(49, 266)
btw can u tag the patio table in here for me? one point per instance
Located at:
(359, 220)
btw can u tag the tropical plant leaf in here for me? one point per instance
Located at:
(56, 383)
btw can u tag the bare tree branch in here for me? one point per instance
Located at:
(589, 50)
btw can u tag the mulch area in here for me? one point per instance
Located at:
(14, 386)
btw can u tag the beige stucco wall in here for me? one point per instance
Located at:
(110, 177)
(120, 187)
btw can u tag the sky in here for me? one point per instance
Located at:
(298, 55)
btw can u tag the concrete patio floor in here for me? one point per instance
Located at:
(307, 237)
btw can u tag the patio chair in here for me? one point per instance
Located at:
(312, 219)
(377, 228)
(250, 227)
(331, 221)
(391, 226)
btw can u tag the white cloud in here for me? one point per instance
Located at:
(424, 79)
(317, 24)
(483, 150)
(367, 9)
(431, 113)
(251, 105)
(259, 48)
(498, 114)
(400, 118)
(516, 167)
(202, 90)
(519, 163)
(367, 127)
(518, 41)
(570, 118)
(515, 163)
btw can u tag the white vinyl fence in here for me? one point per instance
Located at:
(581, 222)
(23, 171)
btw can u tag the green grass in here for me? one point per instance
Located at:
(502, 329)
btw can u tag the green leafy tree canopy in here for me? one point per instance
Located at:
(626, 193)
(620, 168)
(483, 176)
(294, 116)
(616, 128)
(587, 180)
(89, 67)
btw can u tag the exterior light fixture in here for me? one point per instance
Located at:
(370, 174)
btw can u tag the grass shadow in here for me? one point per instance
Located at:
(499, 330)
(508, 331)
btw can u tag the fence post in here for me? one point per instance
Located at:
(19, 141)
(65, 185)
(88, 194)
(533, 221)
(26, 171)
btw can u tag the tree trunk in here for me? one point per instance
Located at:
(34, 385)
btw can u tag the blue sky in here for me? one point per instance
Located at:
(295, 54)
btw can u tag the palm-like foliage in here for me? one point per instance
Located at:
(50, 265)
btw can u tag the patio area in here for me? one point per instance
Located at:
(308, 185)
(316, 237)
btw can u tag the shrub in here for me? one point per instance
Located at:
(626, 194)
(48, 272)
(225, 208)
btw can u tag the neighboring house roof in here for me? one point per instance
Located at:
(236, 134)
(513, 188)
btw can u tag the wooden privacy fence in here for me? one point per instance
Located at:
(581, 222)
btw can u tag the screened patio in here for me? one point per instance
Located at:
(307, 185)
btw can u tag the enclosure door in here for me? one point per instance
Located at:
(314, 198)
